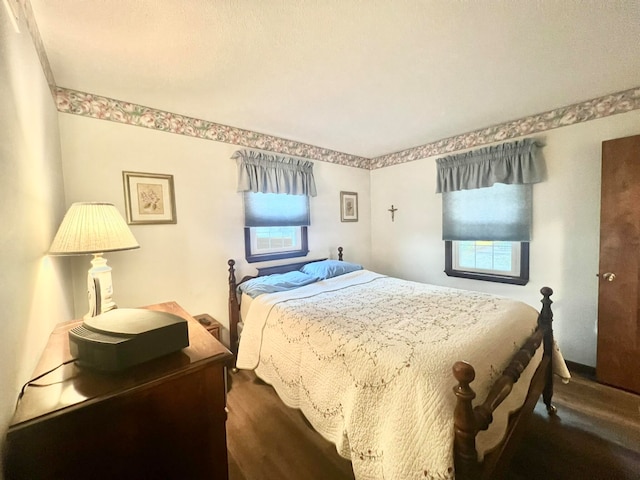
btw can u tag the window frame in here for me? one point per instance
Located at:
(522, 279)
(252, 257)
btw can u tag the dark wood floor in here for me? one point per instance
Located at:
(595, 436)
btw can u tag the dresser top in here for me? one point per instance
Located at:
(70, 386)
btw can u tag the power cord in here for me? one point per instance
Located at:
(30, 382)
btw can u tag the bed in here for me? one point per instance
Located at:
(369, 359)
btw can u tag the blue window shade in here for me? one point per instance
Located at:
(276, 210)
(499, 213)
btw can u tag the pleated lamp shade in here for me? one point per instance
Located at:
(92, 228)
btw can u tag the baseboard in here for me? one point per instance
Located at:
(581, 369)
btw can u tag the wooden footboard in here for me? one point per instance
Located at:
(470, 420)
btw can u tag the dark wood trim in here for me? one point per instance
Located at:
(585, 370)
(267, 257)
(523, 279)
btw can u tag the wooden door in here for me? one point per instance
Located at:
(618, 360)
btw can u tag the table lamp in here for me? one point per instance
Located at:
(94, 228)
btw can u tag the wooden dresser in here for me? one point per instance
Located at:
(164, 419)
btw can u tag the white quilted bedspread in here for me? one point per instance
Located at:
(368, 358)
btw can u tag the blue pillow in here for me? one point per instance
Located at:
(329, 268)
(278, 282)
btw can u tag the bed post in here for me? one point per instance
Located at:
(340, 253)
(466, 455)
(545, 321)
(469, 420)
(234, 311)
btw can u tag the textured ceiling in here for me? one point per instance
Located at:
(361, 77)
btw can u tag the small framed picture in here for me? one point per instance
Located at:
(149, 198)
(348, 207)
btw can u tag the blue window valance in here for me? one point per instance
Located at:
(510, 163)
(268, 173)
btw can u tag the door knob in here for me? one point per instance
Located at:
(609, 276)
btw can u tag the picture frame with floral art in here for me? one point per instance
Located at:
(149, 198)
(348, 207)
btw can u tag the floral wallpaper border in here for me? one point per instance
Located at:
(600, 107)
(23, 8)
(95, 106)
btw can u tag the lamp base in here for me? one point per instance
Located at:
(99, 287)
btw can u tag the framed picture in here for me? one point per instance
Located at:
(149, 198)
(348, 206)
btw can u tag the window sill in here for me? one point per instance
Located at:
(267, 257)
(488, 277)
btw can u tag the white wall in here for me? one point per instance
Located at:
(187, 262)
(34, 293)
(565, 245)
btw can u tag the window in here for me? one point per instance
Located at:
(496, 261)
(270, 243)
(274, 239)
(500, 213)
(275, 226)
(487, 211)
(276, 204)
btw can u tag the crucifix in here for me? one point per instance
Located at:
(393, 211)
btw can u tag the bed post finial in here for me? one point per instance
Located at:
(340, 253)
(546, 315)
(465, 423)
(232, 272)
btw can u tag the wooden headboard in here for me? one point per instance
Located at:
(234, 304)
